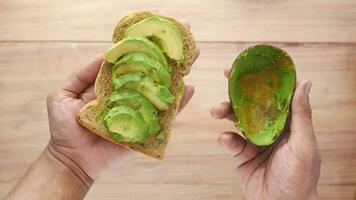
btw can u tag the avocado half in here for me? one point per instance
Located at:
(261, 86)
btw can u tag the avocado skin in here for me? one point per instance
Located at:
(140, 61)
(136, 101)
(261, 86)
(111, 117)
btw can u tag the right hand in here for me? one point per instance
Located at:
(288, 169)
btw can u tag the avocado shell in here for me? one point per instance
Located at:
(261, 86)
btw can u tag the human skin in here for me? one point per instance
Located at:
(288, 169)
(74, 157)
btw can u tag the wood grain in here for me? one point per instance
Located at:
(42, 41)
(239, 20)
(196, 167)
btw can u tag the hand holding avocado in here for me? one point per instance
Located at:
(288, 169)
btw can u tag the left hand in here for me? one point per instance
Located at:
(87, 151)
(287, 169)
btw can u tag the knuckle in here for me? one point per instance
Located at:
(305, 111)
(240, 149)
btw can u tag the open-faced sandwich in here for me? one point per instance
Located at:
(140, 83)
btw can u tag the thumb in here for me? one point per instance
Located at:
(302, 142)
(302, 131)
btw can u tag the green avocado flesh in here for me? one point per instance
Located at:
(133, 62)
(261, 86)
(125, 124)
(142, 79)
(159, 95)
(137, 101)
(136, 44)
(167, 35)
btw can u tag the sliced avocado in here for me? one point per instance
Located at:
(168, 36)
(138, 61)
(125, 124)
(159, 95)
(135, 44)
(261, 87)
(137, 101)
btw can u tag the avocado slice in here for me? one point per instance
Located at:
(125, 124)
(136, 101)
(138, 61)
(159, 95)
(261, 87)
(167, 35)
(136, 44)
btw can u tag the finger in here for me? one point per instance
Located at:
(242, 150)
(302, 132)
(82, 78)
(227, 72)
(301, 110)
(88, 94)
(188, 93)
(222, 111)
(186, 23)
(233, 142)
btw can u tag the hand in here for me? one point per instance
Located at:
(70, 142)
(288, 169)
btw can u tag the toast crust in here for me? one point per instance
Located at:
(90, 115)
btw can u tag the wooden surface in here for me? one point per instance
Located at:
(41, 42)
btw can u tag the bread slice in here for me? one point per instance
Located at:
(90, 115)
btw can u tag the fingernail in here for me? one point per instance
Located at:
(223, 142)
(225, 139)
(189, 88)
(307, 88)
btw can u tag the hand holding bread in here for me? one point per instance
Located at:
(90, 152)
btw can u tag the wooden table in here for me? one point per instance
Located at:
(42, 41)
